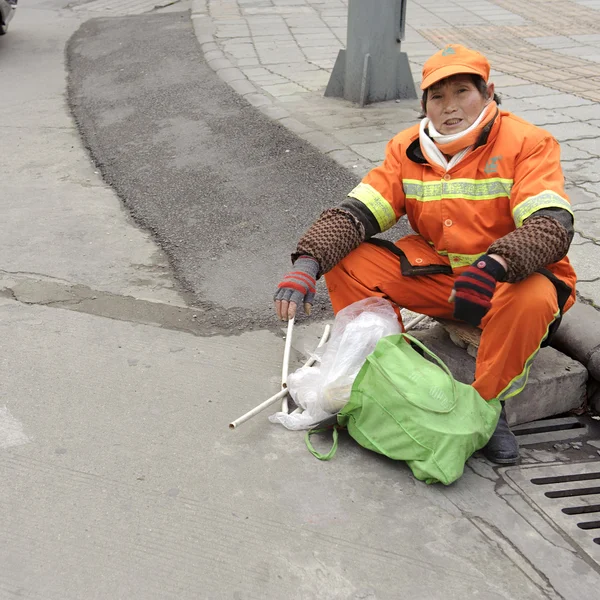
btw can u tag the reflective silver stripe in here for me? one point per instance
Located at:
(545, 199)
(517, 385)
(467, 189)
(380, 208)
(463, 260)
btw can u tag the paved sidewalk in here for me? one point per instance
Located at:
(278, 54)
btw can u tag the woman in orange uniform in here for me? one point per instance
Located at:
(484, 192)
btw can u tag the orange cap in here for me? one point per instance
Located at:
(452, 60)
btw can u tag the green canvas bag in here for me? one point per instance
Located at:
(409, 408)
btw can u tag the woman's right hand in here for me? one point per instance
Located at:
(297, 287)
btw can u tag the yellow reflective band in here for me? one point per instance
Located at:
(546, 199)
(467, 189)
(459, 260)
(462, 260)
(382, 210)
(517, 385)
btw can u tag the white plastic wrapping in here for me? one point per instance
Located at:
(323, 390)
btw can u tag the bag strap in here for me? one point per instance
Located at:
(438, 360)
(334, 447)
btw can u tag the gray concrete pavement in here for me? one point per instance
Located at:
(60, 221)
(120, 478)
(129, 485)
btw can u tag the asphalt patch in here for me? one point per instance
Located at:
(226, 191)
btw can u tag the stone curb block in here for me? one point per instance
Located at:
(243, 87)
(275, 113)
(257, 99)
(579, 337)
(230, 74)
(210, 55)
(217, 64)
(556, 383)
(199, 7)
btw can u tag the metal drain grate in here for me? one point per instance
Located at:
(569, 494)
(554, 429)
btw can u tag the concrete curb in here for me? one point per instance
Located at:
(235, 78)
(579, 337)
(556, 383)
(225, 69)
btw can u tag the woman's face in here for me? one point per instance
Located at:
(454, 103)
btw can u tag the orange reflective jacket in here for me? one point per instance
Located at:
(458, 214)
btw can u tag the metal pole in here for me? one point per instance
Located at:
(372, 68)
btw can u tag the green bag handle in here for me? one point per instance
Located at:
(334, 447)
(435, 357)
(442, 365)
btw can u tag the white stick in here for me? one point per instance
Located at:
(280, 394)
(313, 359)
(414, 322)
(286, 363)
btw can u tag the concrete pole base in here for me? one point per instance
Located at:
(400, 87)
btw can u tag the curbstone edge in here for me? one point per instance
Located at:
(579, 337)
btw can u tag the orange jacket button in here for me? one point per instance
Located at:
(448, 223)
(418, 260)
(447, 177)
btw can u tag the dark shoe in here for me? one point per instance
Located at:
(503, 447)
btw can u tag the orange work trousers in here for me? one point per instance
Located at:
(512, 330)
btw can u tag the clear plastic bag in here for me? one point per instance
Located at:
(323, 390)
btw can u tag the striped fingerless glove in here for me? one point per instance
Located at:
(474, 289)
(299, 285)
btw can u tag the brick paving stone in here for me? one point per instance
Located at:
(594, 96)
(578, 50)
(349, 159)
(357, 135)
(591, 146)
(231, 74)
(240, 51)
(542, 118)
(257, 99)
(569, 152)
(212, 55)
(553, 42)
(573, 131)
(527, 91)
(582, 198)
(282, 89)
(296, 126)
(243, 87)
(373, 151)
(325, 142)
(557, 101)
(583, 113)
(335, 122)
(274, 112)
(219, 63)
(502, 81)
(592, 188)
(267, 80)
